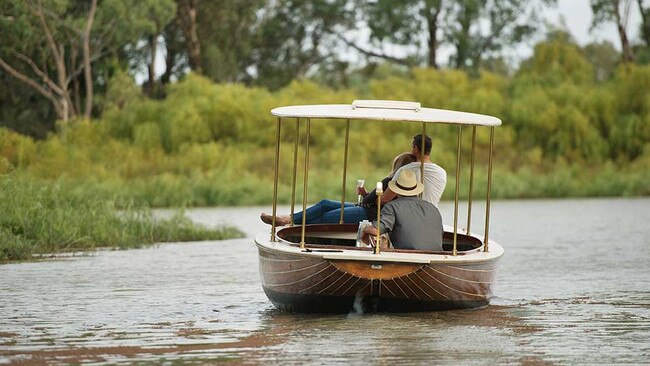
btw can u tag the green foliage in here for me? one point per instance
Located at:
(556, 61)
(52, 218)
(212, 144)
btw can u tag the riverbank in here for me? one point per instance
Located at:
(51, 218)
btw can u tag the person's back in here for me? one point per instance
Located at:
(435, 180)
(412, 223)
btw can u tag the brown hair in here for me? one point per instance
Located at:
(401, 160)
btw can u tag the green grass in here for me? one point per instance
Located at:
(48, 218)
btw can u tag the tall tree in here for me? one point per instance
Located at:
(47, 35)
(159, 14)
(617, 11)
(482, 29)
(227, 33)
(402, 23)
(53, 45)
(474, 29)
(212, 38)
(295, 35)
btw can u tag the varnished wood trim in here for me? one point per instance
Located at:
(458, 278)
(321, 281)
(389, 290)
(419, 288)
(471, 269)
(365, 270)
(298, 281)
(351, 286)
(341, 275)
(429, 285)
(451, 288)
(295, 270)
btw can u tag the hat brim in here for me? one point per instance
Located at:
(419, 187)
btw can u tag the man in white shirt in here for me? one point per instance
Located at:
(435, 177)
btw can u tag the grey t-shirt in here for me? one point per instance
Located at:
(412, 223)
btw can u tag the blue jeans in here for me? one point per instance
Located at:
(329, 212)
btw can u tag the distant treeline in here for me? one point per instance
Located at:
(58, 57)
(565, 133)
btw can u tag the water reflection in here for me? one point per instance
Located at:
(572, 288)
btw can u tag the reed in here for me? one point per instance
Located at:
(48, 218)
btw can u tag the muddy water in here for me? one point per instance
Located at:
(573, 288)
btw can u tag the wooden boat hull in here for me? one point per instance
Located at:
(332, 281)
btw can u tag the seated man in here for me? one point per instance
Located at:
(435, 177)
(410, 221)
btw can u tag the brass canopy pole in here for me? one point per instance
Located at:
(471, 180)
(345, 168)
(304, 186)
(295, 169)
(460, 136)
(275, 177)
(422, 147)
(489, 189)
(379, 190)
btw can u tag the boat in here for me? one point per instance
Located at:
(320, 268)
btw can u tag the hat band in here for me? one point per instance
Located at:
(406, 188)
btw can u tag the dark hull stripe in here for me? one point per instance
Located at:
(344, 304)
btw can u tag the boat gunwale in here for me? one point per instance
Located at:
(343, 227)
(346, 253)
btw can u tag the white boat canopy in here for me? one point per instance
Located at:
(385, 110)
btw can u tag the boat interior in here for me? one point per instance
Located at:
(335, 237)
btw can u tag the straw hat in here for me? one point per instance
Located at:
(406, 184)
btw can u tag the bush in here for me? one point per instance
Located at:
(51, 218)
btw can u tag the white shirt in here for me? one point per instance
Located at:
(435, 180)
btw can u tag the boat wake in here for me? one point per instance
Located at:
(357, 306)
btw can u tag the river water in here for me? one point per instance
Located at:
(572, 288)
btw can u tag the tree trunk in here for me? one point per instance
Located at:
(187, 13)
(86, 58)
(462, 46)
(169, 66)
(432, 25)
(151, 66)
(60, 89)
(628, 54)
(645, 23)
(75, 78)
